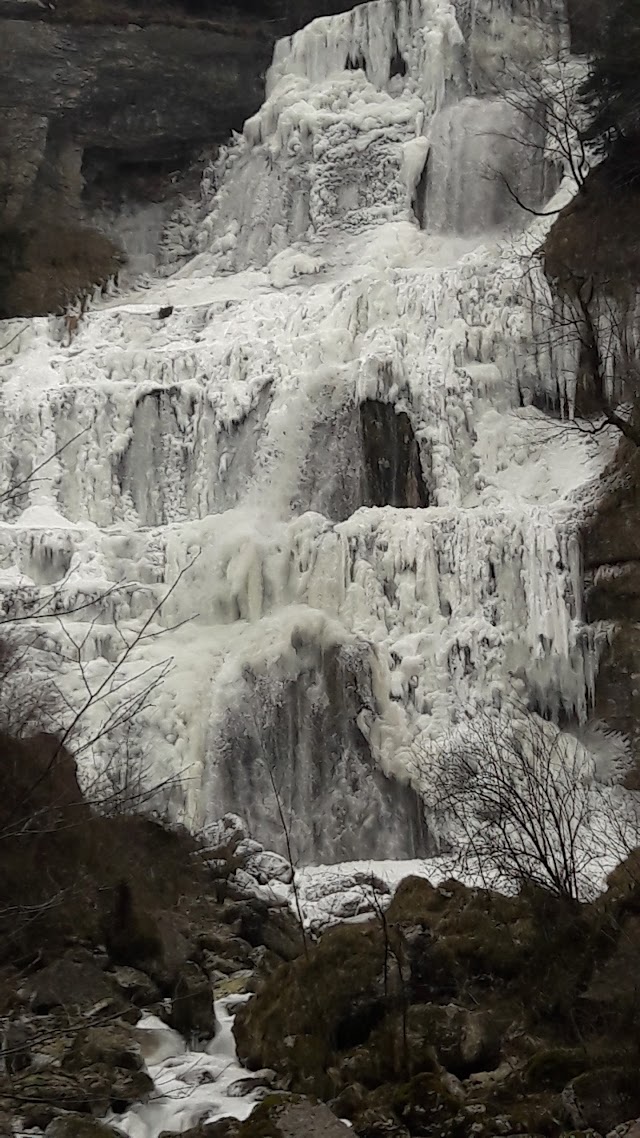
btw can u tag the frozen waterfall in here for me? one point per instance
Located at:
(319, 484)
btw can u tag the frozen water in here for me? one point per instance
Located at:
(323, 476)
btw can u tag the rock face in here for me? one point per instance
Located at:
(611, 542)
(102, 106)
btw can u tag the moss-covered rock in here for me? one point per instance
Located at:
(277, 1116)
(603, 1098)
(462, 1040)
(113, 1044)
(386, 1018)
(78, 1126)
(39, 1096)
(317, 1007)
(72, 985)
(554, 1067)
(425, 1101)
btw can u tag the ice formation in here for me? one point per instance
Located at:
(321, 485)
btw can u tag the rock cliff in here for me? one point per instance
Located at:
(106, 108)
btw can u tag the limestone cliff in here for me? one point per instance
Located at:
(108, 105)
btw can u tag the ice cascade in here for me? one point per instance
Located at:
(305, 480)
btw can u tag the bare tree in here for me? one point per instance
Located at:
(518, 802)
(286, 833)
(547, 123)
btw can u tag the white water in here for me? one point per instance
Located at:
(312, 632)
(190, 1087)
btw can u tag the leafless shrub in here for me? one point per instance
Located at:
(518, 802)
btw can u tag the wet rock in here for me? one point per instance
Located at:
(314, 719)
(222, 965)
(236, 985)
(243, 1087)
(125, 1087)
(611, 546)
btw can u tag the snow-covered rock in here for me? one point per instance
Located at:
(266, 867)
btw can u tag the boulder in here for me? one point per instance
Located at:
(462, 1040)
(428, 1100)
(237, 985)
(553, 1067)
(257, 923)
(247, 848)
(278, 1116)
(125, 1087)
(72, 1125)
(41, 1095)
(337, 881)
(221, 965)
(266, 867)
(136, 986)
(603, 1098)
(72, 985)
(315, 1008)
(629, 1129)
(113, 1044)
(17, 1042)
(221, 940)
(243, 1087)
(176, 949)
(192, 1010)
(223, 836)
